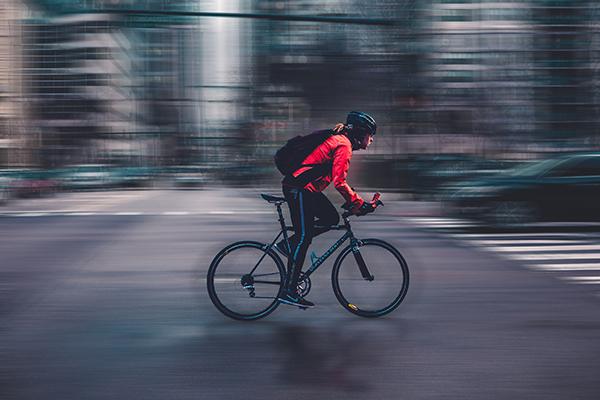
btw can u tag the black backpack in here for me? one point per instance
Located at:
(288, 159)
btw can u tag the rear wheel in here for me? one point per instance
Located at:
(370, 297)
(244, 281)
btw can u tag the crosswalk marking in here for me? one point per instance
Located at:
(556, 256)
(566, 247)
(593, 280)
(583, 278)
(567, 267)
(563, 253)
(525, 242)
(441, 222)
(499, 235)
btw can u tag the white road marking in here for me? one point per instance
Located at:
(566, 267)
(58, 213)
(589, 280)
(525, 249)
(440, 222)
(512, 235)
(81, 214)
(555, 256)
(525, 242)
(532, 247)
(222, 212)
(583, 278)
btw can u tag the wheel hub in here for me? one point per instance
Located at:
(247, 281)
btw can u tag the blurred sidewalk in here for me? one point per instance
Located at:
(207, 200)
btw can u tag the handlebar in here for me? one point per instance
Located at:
(375, 201)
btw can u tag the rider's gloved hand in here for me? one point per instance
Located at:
(364, 209)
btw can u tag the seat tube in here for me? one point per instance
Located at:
(282, 224)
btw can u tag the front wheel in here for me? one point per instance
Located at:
(244, 280)
(381, 292)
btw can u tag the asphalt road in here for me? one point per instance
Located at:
(102, 296)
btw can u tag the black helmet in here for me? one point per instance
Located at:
(360, 124)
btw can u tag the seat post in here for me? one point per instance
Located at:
(282, 223)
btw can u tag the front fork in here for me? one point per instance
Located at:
(362, 266)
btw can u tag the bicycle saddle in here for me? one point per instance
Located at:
(272, 199)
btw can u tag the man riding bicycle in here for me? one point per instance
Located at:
(311, 212)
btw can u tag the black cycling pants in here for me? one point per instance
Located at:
(307, 209)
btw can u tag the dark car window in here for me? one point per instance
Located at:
(583, 167)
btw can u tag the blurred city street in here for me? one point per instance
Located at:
(136, 137)
(103, 295)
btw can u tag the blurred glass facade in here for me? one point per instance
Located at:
(101, 81)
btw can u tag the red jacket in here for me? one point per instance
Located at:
(336, 150)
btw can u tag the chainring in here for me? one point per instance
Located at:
(304, 285)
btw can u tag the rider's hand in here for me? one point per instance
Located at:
(364, 209)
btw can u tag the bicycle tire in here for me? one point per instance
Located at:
(346, 279)
(232, 281)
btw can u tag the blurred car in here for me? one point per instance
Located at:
(130, 177)
(35, 182)
(5, 189)
(429, 174)
(88, 177)
(27, 182)
(185, 176)
(565, 188)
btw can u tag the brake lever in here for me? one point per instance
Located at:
(376, 199)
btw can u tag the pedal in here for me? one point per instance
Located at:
(292, 304)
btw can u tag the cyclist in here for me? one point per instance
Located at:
(302, 189)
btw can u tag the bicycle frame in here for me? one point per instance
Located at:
(355, 243)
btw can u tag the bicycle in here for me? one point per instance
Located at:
(246, 278)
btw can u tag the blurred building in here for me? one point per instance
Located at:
(481, 69)
(509, 74)
(109, 88)
(97, 81)
(78, 83)
(310, 74)
(219, 82)
(16, 139)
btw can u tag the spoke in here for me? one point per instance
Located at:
(268, 282)
(272, 273)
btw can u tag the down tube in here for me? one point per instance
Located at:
(328, 253)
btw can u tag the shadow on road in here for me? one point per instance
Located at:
(332, 358)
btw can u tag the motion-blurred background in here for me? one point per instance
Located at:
(489, 117)
(113, 93)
